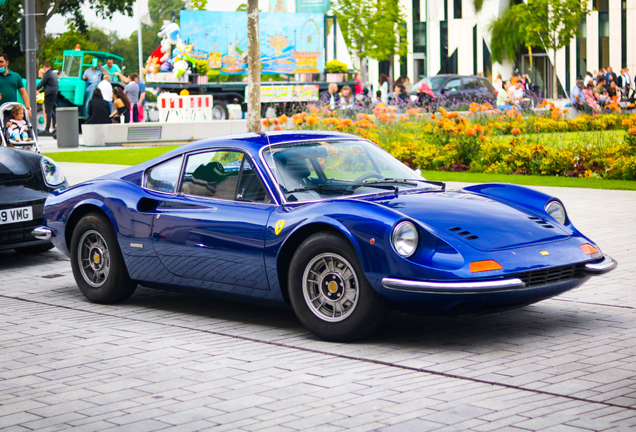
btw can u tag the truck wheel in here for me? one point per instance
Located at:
(219, 111)
(39, 122)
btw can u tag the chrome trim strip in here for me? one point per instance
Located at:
(42, 233)
(608, 264)
(452, 287)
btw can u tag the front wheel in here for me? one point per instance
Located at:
(97, 262)
(329, 291)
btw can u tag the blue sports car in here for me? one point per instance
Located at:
(325, 222)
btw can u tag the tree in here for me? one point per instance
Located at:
(548, 24)
(253, 68)
(10, 14)
(389, 33)
(372, 29)
(45, 9)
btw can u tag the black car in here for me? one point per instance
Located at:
(452, 90)
(26, 179)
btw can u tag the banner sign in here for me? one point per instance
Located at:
(290, 42)
(289, 93)
(313, 6)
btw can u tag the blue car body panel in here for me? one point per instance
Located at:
(240, 248)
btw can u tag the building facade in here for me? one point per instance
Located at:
(448, 36)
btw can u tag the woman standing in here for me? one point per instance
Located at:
(384, 88)
(121, 106)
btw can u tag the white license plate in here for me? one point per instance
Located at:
(22, 214)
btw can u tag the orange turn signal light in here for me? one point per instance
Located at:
(588, 249)
(481, 266)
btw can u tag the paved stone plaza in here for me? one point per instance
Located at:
(167, 361)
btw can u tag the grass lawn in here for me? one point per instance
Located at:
(133, 156)
(128, 156)
(530, 180)
(567, 139)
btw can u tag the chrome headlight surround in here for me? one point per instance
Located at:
(405, 238)
(556, 210)
(51, 172)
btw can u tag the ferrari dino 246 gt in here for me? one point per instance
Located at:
(325, 222)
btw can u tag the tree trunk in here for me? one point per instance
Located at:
(363, 73)
(253, 69)
(555, 81)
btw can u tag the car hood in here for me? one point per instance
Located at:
(480, 222)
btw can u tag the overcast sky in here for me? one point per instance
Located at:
(125, 25)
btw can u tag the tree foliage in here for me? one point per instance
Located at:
(372, 28)
(10, 14)
(547, 24)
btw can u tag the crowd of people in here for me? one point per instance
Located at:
(601, 88)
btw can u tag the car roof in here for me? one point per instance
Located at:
(98, 54)
(253, 142)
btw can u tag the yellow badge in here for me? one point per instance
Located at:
(544, 253)
(279, 226)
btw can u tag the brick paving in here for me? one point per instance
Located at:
(175, 362)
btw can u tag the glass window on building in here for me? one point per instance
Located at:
(601, 5)
(419, 37)
(581, 49)
(603, 39)
(457, 5)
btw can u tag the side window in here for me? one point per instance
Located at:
(212, 174)
(250, 187)
(471, 84)
(453, 85)
(485, 85)
(164, 177)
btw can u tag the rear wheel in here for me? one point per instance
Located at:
(329, 291)
(220, 111)
(97, 262)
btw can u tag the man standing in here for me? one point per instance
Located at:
(627, 81)
(132, 91)
(48, 84)
(142, 98)
(107, 90)
(11, 84)
(577, 99)
(112, 69)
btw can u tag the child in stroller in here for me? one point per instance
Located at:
(17, 126)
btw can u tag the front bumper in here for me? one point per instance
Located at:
(603, 266)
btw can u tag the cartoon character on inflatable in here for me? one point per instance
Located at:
(164, 58)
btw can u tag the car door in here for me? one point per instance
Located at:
(213, 229)
(452, 89)
(472, 90)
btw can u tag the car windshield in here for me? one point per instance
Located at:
(320, 170)
(72, 66)
(433, 82)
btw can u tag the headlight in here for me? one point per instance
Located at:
(52, 174)
(556, 210)
(405, 239)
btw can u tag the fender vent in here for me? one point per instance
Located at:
(463, 233)
(541, 222)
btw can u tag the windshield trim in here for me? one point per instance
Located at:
(274, 181)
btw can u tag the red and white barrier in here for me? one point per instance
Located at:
(175, 108)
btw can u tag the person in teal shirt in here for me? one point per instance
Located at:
(11, 84)
(112, 69)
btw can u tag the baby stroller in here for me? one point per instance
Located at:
(7, 141)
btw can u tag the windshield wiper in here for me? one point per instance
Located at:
(339, 188)
(409, 181)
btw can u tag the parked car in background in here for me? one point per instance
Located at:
(327, 223)
(452, 90)
(26, 179)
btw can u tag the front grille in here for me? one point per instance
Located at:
(552, 275)
(18, 232)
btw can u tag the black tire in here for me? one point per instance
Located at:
(113, 286)
(365, 312)
(34, 249)
(220, 111)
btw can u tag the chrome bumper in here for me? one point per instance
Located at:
(42, 233)
(607, 265)
(452, 287)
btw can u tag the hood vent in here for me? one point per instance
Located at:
(463, 233)
(541, 222)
